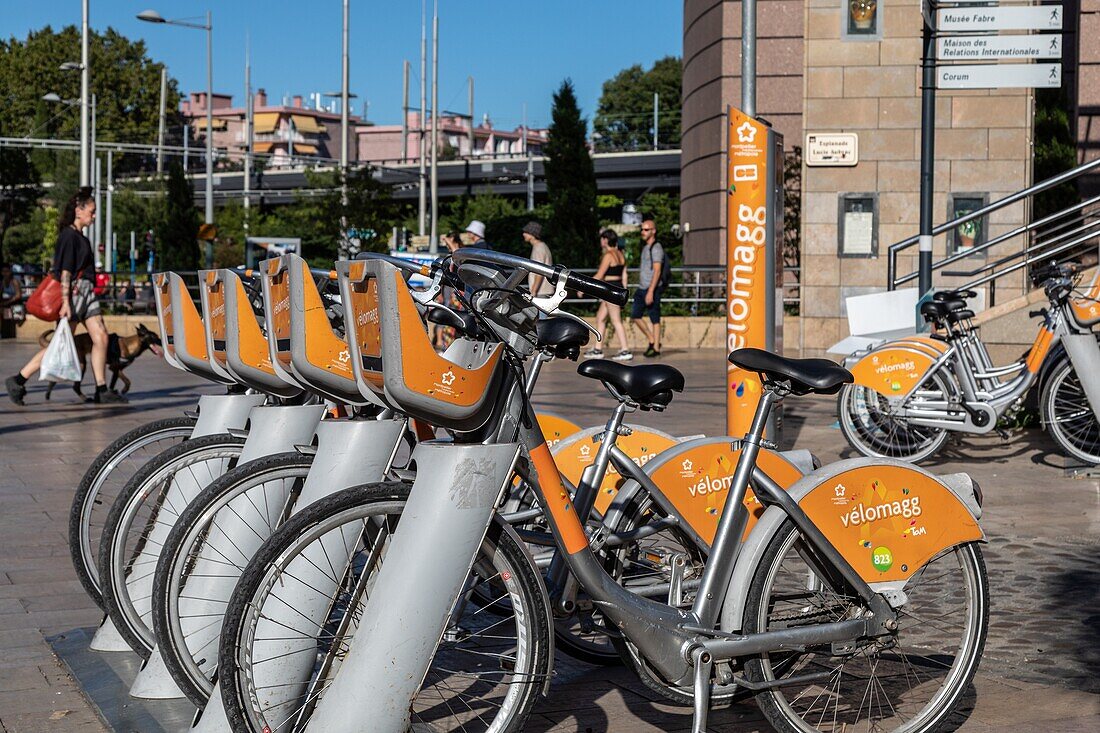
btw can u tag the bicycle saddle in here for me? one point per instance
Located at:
(563, 336)
(945, 295)
(650, 385)
(819, 376)
(963, 314)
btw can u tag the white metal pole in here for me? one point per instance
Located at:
(470, 132)
(434, 240)
(109, 249)
(344, 103)
(423, 108)
(97, 227)
(163, 119)
(248, 112)
(656, 104)
(85, 90)
(209, 133)
(748, 57)
(530, 163)
(405, 115)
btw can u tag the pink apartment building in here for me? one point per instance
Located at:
(297, 134)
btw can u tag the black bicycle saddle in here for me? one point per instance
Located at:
(819, 376)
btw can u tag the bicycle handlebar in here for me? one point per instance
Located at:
(398, 262)
(613, 294)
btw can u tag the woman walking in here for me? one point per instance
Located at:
(612, 270)
(74, 268)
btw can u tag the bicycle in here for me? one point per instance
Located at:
(854, 570)
(185, 619)
(910, 394)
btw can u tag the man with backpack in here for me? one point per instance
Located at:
(653, 277)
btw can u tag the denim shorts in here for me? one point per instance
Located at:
(640, 308)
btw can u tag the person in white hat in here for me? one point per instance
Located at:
(477, 229)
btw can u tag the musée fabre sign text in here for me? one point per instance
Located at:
(970, 19)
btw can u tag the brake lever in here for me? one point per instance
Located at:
(550, 303)
(426, 296)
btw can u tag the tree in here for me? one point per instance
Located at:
(19, 188)
(1054, 151)
(176, 244)
(126, 82)
(570, 182)
(624, 118)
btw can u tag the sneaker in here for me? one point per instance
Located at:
(651, 352)
(109, 396)
(623, 356)
(594, 353)
(16, 391)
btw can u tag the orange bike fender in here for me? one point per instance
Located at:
(888, 519)
(894, 369)
(577, 452)
(859, 505)
(697, 477)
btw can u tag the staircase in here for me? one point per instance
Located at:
(1001, 266)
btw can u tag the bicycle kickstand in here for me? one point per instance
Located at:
(704, 668)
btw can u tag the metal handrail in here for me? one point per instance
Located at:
(891, 265)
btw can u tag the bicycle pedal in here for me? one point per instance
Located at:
(1002, 432)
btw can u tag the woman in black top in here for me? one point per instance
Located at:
(74, 267)
(612, 270)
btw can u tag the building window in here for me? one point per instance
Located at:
(861, 20)
(969, 234)
(858, 225)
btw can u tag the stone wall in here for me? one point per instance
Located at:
(872, 88)
(711, 82)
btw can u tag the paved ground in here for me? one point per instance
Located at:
(1041, 671)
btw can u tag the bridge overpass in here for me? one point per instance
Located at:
(628, 175)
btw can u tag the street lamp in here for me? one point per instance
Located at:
(152, 16)
(86, 178)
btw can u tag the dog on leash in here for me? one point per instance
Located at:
(121, 353)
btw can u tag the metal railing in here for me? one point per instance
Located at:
(1064, 235)
(701, 288)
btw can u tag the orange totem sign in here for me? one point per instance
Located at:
(747, 284)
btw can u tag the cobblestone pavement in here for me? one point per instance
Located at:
(1041, 671)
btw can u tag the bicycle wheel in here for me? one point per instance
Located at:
(869, 426)
(204, 555)
(1068, 415)
(645, 567)
(101, 484)
(908, 682)
(140, 520)
(295, 612)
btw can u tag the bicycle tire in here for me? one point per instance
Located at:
(147, 489)
(857, 430)
(83, 536)
(189, 659)
(786, 607)
(1068, 416)
(333, 513)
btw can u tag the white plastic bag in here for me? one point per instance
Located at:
(60, 362)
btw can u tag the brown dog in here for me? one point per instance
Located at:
(121, 352)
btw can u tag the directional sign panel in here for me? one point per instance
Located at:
(997, 76)
(990, 48)
(1037, 18)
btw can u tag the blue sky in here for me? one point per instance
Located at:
(518, 52)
